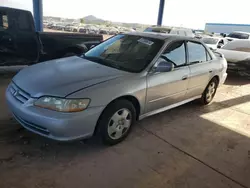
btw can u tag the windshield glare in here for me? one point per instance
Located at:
(210, 40)
(126, 52)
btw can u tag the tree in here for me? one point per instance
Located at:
(82, 21)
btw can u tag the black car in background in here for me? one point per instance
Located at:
(20, 44)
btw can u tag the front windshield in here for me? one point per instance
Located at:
(210, 40)
(126, 52)
(239, 35)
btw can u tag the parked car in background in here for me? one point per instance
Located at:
(20, 44)
(125, 78)
(45, 24)
(82, 29)
(50, 25)
(104, 31)
(237, 54)
(69, 27)
(214, 42)
(88, 29)
(59, 27)
(237, 35)
(171, 30)
(113, 31)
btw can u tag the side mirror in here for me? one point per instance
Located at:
(164, 66)
(92, 46)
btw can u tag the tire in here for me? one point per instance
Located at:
(116, 122)
(209, 92)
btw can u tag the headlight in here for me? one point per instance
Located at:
(62, 105)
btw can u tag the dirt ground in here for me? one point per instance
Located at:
(190, 146)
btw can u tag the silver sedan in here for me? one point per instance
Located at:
(126, 78)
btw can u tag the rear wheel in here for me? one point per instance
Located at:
(116, 122)
(209, 92)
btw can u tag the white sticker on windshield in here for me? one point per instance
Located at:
(145, 41)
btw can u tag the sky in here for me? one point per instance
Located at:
(186, 13)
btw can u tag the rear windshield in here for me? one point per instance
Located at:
(239, 35)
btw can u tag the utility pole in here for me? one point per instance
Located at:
(38, 14)
(160, 13)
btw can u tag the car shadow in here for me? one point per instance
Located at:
(236, 79)
(216, 135)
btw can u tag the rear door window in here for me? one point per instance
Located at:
(4, 23)
(196, 52)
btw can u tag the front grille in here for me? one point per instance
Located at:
(32, 126)
(18, 93)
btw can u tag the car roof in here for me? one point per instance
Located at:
(161, 36)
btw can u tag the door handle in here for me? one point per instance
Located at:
(184, 77)
(210, 71)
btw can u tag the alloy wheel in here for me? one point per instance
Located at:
(119, 123)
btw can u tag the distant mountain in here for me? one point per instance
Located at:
(58, 19)
(92, 19)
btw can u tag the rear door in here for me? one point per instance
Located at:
(201, 68)
(18, 40)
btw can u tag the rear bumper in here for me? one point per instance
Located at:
(223, 78)
(55, 125)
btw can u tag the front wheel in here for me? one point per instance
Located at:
(116, 122)
(209, 92)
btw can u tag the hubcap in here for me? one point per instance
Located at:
(210, 91)
(119, 123)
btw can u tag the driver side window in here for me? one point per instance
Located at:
(175, 53)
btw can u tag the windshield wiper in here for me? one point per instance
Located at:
(105, 62)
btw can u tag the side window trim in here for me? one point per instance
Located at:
(208, 55)
(185, 46)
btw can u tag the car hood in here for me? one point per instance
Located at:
(62, 77)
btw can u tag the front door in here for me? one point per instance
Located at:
(167, 88)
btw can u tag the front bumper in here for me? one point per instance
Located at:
(55, 125)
